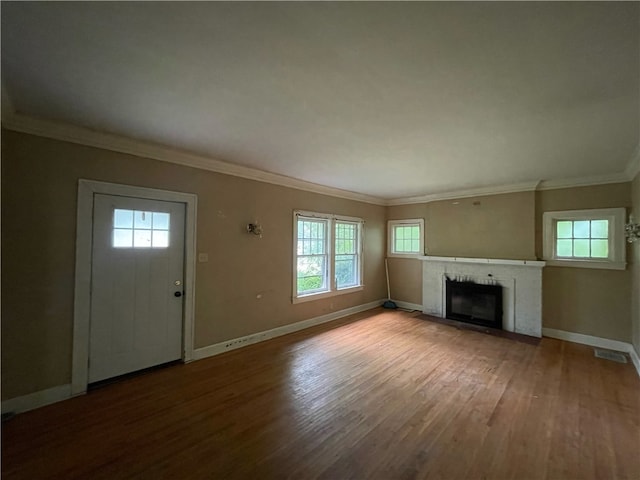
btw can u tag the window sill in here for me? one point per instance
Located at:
(587, 264)
(405, 255)
(321, 295)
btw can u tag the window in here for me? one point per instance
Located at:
(406, 237)
(327, 255)
(138, 229)
(585, 238)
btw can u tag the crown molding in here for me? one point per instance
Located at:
(633, 168)
(118, 143)
(471, 192)
(583, 181)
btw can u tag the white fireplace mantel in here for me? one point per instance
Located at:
(521, 281)
(490, 261)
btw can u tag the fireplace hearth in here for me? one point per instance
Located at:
(475, 303)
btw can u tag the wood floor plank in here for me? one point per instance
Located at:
(378, 395)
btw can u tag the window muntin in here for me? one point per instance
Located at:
(582, 238)
(406, 237)
(347, 254)
(327, 256)
(585, 238)
(312, 256)
(140, 229)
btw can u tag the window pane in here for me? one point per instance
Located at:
(123, 238)
(581, 229)
(160, 238)
(599, 248)
(399, 233)
(415, 232)
(160, 221)
(122, 219)
(142, 238)
(599, 229)
(346, 271)
(565, 229)
(580, 247)
(142, 220)
(345, 236)
(311, 273)
(415, 246)
(564, 248)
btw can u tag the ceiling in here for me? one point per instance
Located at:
(385, 99)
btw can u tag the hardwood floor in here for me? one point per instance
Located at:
(378, 395)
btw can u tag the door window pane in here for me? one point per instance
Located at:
(122, 218)
(160, 238)
(160, 221)
(142, 238)
(140, 229)
(142, 219)
(122, 238)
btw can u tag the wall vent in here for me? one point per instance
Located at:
(610, 355)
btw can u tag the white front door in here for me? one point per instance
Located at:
(137, 276)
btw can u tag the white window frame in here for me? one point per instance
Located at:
(332, 289)
(617, 249)
(391, 224)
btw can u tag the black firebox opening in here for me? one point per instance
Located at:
(474, 303)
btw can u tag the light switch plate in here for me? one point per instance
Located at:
(203, 257)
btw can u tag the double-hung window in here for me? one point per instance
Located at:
(585, 238)
(327, 255)
(405, 237)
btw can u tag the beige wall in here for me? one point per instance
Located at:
(491, 226)
(588, 301)
(635, 258)
(39, 188)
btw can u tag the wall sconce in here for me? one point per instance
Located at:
(255, 228)
(632, 230)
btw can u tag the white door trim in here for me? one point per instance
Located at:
(82, 294)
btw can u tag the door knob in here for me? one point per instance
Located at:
(178, 294)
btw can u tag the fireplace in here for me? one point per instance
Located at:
(474, 303)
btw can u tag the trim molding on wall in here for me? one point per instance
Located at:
(82, 294)
(471, 192)
(239, 342)
(594, 342)
(408, 305)
(37, 399)
(118, 143)
(583, 181)
(122, 144)
(63, 392)
(633, 168)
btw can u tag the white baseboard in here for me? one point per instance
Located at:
(407, 305)
(36, 399)
(217, 348)
(594, 342)
(635, 359)
(63, 392)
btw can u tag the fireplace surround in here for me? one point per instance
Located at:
(521, 282)
(480, 304)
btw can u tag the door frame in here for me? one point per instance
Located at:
(87, 189)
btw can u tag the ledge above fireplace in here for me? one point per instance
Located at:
(484, 261)
(521, 281)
